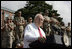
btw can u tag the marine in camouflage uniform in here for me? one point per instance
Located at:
(63, 29)
(19, 21)
(54, 24)
(57, 28)
(68, 30)
(46, 24)
(8, 36)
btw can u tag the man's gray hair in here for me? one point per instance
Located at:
(37, 15)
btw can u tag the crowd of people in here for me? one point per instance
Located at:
(18, 31)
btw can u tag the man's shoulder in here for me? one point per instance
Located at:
(15, 18)
(31, 24)
(22, 17)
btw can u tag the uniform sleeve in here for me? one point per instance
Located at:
(15, 20)
(28, 36)
(12, 25)
(23, 18)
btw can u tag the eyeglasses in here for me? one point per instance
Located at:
(30, 19)
(9, 19)
(42, 19)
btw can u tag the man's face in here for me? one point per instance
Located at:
(53, 15)
(9, 20)
(46, 14)
(40, 21)
(30, 20)
(19, 14)
(68, 24)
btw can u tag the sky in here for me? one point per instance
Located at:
(63, 7)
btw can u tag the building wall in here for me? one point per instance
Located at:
(4, 15)
(2, 18)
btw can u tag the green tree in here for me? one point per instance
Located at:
(34, 7)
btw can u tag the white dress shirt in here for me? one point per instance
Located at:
(31, 34)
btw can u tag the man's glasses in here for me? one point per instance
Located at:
(30, 19)
(9, 19)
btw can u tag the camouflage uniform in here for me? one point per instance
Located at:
(63, 30)
(54, 25)
(8, 36)
(19, 28)
(68, 30)
(46, 25)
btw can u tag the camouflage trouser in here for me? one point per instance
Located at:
(19, 33)
(47, 29)
(3, 43)
(7, 42)
(69, 34)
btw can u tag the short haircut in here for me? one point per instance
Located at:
(37, 16)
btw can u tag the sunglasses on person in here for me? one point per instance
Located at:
(30, 19)
(9, 19)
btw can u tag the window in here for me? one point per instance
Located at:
(6, 15)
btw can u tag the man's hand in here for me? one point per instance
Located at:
(42, 39)
(68, 29)
(20, 24)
